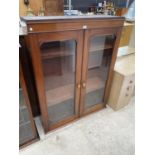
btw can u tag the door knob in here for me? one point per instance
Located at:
(83, 84)
(78, 86)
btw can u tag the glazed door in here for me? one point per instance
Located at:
(27, 130)
(57, 61)
(98, 57)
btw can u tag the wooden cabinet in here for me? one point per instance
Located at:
(123, 82)
(27, 130)
(54, 7)
(126, 34)
(73, 60)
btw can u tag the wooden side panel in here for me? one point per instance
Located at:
(37, 68)
(110, 74)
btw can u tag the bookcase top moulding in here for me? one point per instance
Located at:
(43, 24)
(44, 18)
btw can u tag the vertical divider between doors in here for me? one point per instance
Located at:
(79, 53)
(84, 69)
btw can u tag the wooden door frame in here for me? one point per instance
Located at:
(27, 102)
(35, 40)
(88, 34)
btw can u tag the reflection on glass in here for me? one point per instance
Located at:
(100, 52)
(25, 128)
(58, 62)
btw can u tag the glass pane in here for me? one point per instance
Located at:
(100, 52)
(25, 128)
(58, 62)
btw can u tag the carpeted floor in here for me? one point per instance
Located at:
(102, 133)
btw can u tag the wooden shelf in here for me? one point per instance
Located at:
(100, 47)
(56, 52)
(60, 94)
(63, 51)
(94, 84)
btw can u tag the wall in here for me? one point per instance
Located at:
(34, 5)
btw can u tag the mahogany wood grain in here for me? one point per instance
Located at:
(65, 25)
(35, 42)
(38, 73)
(78, 68)
(88, 35)
(111, 69)
(71, 29)
(93, 109)
(84, 70)
(62, 122)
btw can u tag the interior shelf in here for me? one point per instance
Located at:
(100, 47)
(60, 94)
(64, 51)
(94, 84)
(56, 52)
(100, 44)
